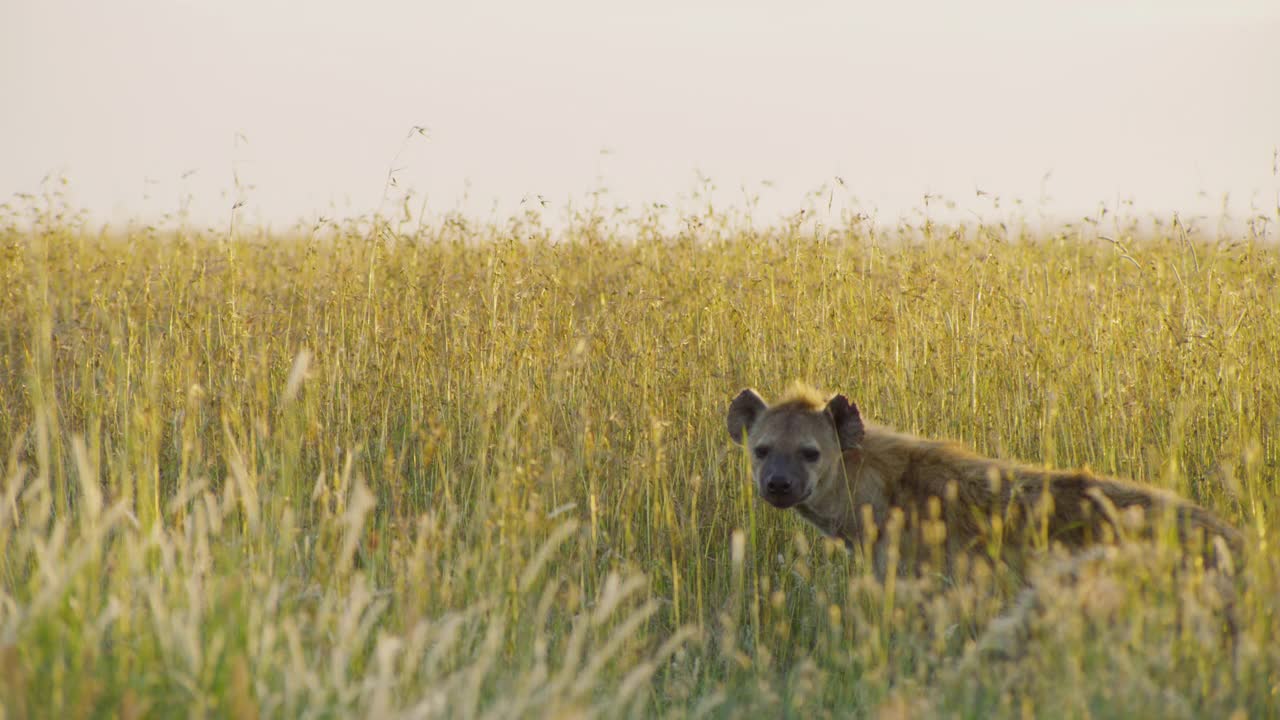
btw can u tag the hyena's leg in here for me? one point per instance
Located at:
(1005, 638)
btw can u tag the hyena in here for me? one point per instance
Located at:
(913, 505)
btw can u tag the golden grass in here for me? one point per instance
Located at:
(471, 471)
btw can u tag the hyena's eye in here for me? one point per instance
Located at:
(810, 454)
(762, 451)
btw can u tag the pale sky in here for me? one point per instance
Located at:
(1169, 103)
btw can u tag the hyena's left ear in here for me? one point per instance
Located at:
(743, 412)
(848, 422)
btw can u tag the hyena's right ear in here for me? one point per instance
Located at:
(847, 420)
(743, 412)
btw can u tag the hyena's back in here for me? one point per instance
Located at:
(984, 498)
(1098, 508)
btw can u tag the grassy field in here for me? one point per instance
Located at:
(466, 470)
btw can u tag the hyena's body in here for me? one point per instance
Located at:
(922, 504)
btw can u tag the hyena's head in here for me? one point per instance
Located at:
(796, 445)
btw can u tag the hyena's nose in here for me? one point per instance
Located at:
(778, 485)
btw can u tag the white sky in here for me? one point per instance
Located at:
(1156, 101)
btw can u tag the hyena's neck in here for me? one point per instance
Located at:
(855, 487)
(833, 511)
(837, 525)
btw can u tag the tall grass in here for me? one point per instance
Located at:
(481, 470)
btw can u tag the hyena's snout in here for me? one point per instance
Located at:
(781, 485)
(778, 486)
